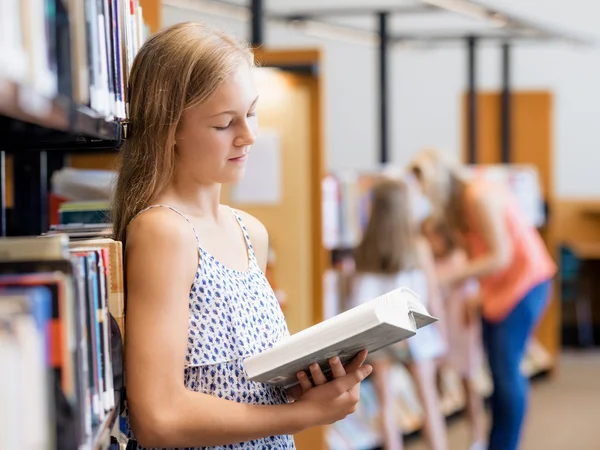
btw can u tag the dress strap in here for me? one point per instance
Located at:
(251, 254)
(175, 211)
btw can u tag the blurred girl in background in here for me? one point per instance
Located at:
(392, 254)
(462, 323)
(514, 269)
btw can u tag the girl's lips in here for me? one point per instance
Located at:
(239, 159)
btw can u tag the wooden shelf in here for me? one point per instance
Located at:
(30, 121)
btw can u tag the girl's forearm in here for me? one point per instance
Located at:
(476, 268)
(201, 420)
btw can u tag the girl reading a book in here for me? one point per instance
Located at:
(462, 323)
(392, 254)
(507, 255)
(198, 302)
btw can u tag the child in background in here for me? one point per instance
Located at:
(463, 324)
(393, 254)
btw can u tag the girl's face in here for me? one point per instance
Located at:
(214, 138)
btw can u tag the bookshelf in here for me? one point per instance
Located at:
(63, 68)
(23, 109)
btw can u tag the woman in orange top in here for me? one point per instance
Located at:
(514, 269)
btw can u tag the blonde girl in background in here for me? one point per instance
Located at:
(392, 254)
(196, 291)
(514, 268)
(463, 323)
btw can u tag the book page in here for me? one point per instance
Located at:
(372, 340)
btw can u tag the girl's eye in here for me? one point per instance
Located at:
(225, 127)
(251, 114)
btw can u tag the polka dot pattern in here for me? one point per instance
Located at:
(232, 315)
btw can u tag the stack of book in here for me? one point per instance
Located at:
(88, 213)
(80, 50)
(61, 325)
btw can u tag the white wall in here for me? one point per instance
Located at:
(426, 86)
(427, 107)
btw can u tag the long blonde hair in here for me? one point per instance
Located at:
(388, 244)
(176, 69)
(444, 184)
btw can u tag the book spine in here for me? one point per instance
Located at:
(107, 395)
(85, 393)
(98, 363)
(91, 344)
(80, 65)
(117, 56)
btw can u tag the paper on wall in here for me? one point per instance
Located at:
(261, 184)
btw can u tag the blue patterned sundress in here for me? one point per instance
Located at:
(232, 315)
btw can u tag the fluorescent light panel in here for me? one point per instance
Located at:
(469, 9)
(212, 8)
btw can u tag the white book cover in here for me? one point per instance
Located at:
(383, 321)
(34, 394)
(11, 386)
(34, 28)
(13, 58)
(105, 100)
(29, 384)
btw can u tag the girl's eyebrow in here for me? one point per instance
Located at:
(231, 112)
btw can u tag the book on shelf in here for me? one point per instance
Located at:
(346, 200)
(376, 324)
(88, 212)
(77, 397)
(25, 378)
(113, 265)
(82, 50)
(81, 231)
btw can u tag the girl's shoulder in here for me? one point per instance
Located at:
(160, 223)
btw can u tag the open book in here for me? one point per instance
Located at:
(376, 324)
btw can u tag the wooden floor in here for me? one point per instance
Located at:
(564, 411)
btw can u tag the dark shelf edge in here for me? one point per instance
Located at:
(58, 114)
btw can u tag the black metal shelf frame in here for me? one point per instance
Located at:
(517, 29)
(26, 117)
(39, 132)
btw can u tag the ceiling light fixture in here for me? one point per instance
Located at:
(470, 9)
(334, 32)
(212, 8)
(307, 26)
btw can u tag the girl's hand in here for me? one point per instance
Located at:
(294, 393)
(326, 402)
